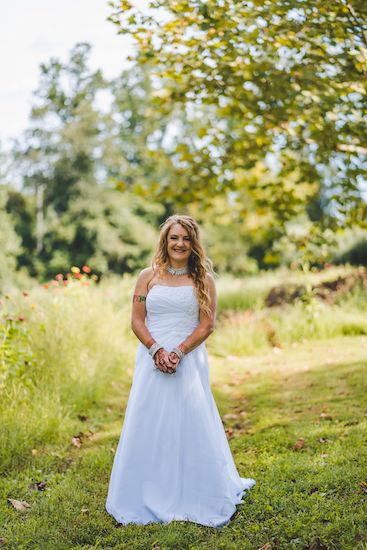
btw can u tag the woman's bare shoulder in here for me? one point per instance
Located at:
(144, 277)
(146, 273)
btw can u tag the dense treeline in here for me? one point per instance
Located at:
(97, 171)
(91, 149)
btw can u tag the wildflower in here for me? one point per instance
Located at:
(9, 318)
(25, 293)
(86, 269)
(59, 277)
(21, 318)
(78, 275)
(54, 283)
(66, 282)
(75, 269)
(46, 285)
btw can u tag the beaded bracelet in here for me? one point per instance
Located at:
(178, 352)
(154, 348)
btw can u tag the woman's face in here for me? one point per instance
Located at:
(178, 244)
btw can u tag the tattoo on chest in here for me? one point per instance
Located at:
(139, 298)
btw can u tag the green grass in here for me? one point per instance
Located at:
(310, 498)
(278, 375)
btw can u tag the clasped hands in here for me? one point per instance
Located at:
(166, 361)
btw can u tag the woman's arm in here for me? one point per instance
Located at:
(138, 326)
(139, 311)
(206, 324)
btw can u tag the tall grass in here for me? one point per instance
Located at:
(254, 332)
(249, 293)
(245, 326)
(72, 344)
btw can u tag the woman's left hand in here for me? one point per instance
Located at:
(174, 358)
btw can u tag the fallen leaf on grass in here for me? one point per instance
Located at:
(323, 440)
(2, 540)
(230, 416)
(266, 546)
(317, 544)
(76, 441)
(83, 417)
(229, 432)
(34, 452)
(238, 426)
(235, 381)
(113, 450)
(363, 486)
(20, 505)
(84, 511)
(326, 416)
(299, 444)
(37, 486)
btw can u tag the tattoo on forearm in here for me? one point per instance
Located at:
(139, 298)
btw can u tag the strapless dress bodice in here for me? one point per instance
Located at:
(172, 310)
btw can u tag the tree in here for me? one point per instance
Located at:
(279, 85)
(10, 243)
(65, 159)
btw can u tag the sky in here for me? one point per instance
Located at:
(32, 31)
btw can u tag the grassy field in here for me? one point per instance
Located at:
(295, 415)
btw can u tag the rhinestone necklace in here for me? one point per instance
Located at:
(180, 271)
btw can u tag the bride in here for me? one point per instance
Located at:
(173, 461)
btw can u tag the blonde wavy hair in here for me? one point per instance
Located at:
(199, 264)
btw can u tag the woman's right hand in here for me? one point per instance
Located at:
(162, 361)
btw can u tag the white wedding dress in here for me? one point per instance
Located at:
(173, 461)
